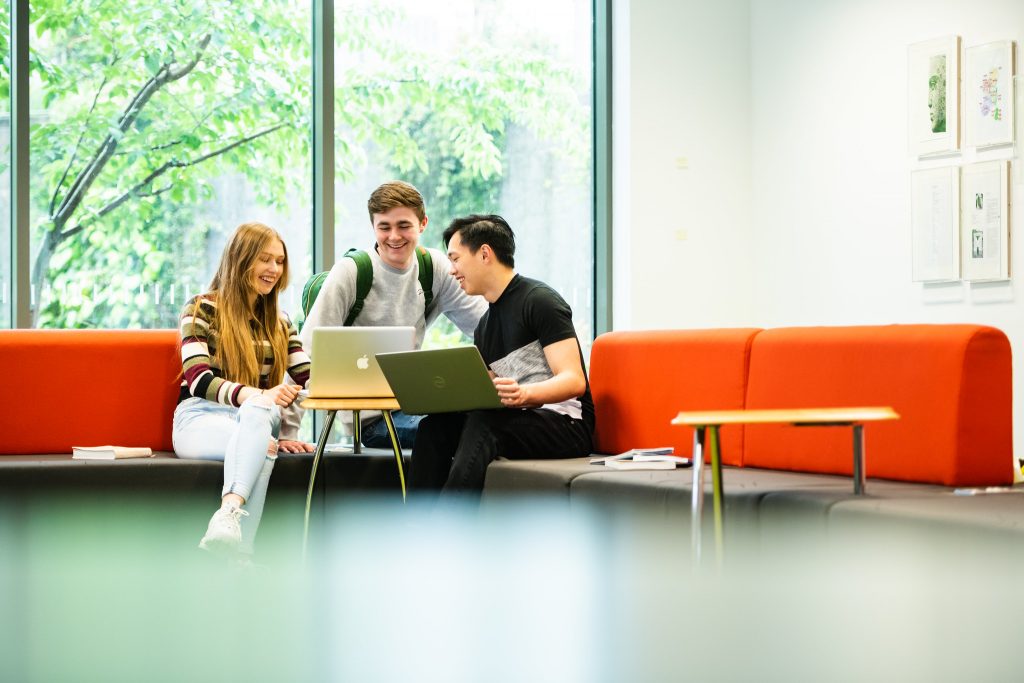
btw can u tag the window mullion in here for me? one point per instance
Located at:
(323, 135)
(21, 266)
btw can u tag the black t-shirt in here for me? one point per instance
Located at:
(513, 332)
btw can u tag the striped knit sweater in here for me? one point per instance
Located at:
(203, 378)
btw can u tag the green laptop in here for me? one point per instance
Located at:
(439, 380)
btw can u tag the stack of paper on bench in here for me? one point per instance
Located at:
(643, 459)
(109, 452)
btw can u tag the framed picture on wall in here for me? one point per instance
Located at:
(933, 90)
(935, 220)
(1018, 115)
(989, 94)
(985, 221)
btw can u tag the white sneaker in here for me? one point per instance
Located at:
(224, 533)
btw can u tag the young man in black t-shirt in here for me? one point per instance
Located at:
(527, 339)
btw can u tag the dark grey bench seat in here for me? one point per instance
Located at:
(166, 474)
(763, 502)
(164, 487)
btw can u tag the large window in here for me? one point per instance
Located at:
(485, 106)
(156, 128)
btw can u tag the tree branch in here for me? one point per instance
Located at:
(166, 74)
(136, 190)
(154, 148)
(78, 143)
(172, 143)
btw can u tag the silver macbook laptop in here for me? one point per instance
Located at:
(439, 380)
(344, 365)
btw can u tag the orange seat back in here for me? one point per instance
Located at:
(640, 380)
(951, 385)
(88, 388)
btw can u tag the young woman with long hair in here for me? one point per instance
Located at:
(236, 350)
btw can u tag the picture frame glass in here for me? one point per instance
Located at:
(984, 221)
(935, 209)
(989, 100)
(933, 92)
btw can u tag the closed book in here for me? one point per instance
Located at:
(109, 452)
(641, 464)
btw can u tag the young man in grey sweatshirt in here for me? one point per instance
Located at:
(396, 298)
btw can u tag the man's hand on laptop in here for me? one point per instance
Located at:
(512, 393)
(283, 394)
(286, 446)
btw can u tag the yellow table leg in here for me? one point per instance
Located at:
(716, 487)
(357, 433)
(317, 454)
(397, 447)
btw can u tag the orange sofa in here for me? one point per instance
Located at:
(88, 388)
(640, 380)
(120, 387)
(951, 384)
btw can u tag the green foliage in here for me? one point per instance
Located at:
(139, 105)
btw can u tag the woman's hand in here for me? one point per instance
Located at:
(286, 446)
(283, 394)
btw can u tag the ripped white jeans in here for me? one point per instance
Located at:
(245, 439)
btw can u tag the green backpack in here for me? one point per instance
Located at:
(364, 280)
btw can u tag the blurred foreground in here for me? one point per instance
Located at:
(116, 591)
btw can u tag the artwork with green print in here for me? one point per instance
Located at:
(937, 93)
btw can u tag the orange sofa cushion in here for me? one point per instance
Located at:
(951, 384)
(641, 380)
(88, 388)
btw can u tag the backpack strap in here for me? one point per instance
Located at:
(364, 280)
(309, 293)
(426, 264)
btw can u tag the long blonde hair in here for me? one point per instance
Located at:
(240, 327)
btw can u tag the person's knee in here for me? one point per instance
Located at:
(258, 401)
(429, 429)
(261, 407)
(482, 421)
(477, 417)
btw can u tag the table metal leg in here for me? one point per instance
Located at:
(357, 433)
(697, 503)
(317, 454)
(858, 460)
(716, 488)
(397, 446)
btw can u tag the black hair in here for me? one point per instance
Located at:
(478, 229)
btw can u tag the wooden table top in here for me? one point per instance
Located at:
(797, 416)
(377, 403)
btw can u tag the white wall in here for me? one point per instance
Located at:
(817, 221)
(681, 163)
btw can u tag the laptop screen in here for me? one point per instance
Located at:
(344, 363)
(440, 380)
